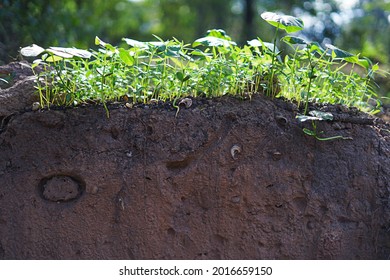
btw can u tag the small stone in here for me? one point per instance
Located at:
(236, 199)
(35, 106)
(94, 190)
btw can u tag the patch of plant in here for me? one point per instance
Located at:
(314, 117)
(211, 66)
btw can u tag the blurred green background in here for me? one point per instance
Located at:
(359, 26)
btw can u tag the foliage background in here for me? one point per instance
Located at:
(362, 27)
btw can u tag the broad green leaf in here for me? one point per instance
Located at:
(210, 41)
(135, 43)
(316, 115)
(126, 57)
(52, 58)
(364, 63)
(259, 43)
(33, 50)
(271, 47)
(181, 77)
(218, 33)
(69, 52)
(294, 40)
(339, 53)
(324, 116)
(255, 43)
(303, 118)
(316, 47)
(288, 23)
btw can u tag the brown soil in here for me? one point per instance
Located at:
(225, 179)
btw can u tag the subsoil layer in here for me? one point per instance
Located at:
(222, 179)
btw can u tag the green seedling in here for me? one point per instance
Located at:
(314, 117)
(281, 22)
(212, 66)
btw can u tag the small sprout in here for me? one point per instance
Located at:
(235, 150)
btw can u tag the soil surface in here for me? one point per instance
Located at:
(222, 179)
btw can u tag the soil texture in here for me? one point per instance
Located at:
(222, 179)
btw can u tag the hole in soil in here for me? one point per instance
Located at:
(171, 231)
(180, 164)
(61, 188)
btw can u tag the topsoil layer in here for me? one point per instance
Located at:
(224, 179)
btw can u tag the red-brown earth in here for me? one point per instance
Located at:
(224, 179)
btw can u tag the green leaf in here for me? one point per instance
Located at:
(259, 43)
(323, 116)
(316, 47)
(294, 40)
(365, 63)
(339, 53)
(135, 43)
(69, 52)
(126, 57)
(288, 23)
(210, 41)
(103, 44)
(218, 33)
(304, 118)
(316, 115)
(52, 58)
(33, 50)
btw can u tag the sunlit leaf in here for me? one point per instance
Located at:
(52, 58)
(69, 52)
(126, 57)
(339, 53)
(33, 50)
(294, 40)
(210, 41)
(316, 47)
(365, 63)
(325, 116)
(105, 45)
(135, 43)
(288, 23)
(271, 47)
(218, 33)
(303, 118)
(316, 115)
(259, 43)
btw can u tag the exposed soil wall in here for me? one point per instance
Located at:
(225, 179)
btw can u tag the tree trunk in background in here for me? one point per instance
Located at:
(249, 14)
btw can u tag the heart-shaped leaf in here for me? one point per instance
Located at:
(69, 52)
(33, 50)
(210, 41)
(288, 23)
